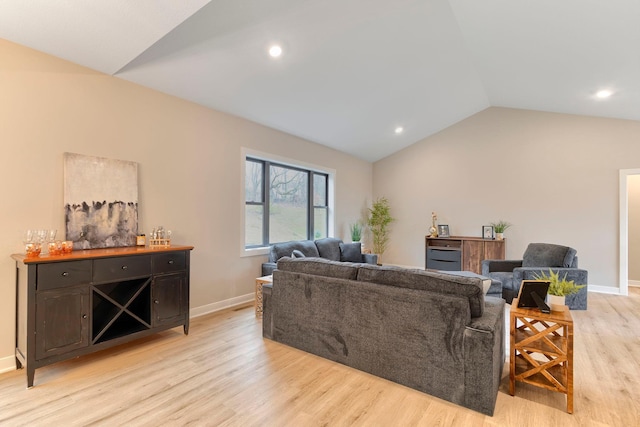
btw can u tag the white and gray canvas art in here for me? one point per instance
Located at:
(101, 201)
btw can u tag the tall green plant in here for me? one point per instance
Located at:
(356, 232)
(378, 221)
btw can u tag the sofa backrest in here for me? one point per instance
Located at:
(279, 250)
(329, 248)
(319, 267)
(467, 287)
(549, 255)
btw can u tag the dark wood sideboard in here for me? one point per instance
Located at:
(461, 253)
(89, 300)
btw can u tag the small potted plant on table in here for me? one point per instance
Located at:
(559, 288)
(500, 227)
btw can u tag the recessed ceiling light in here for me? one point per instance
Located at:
(602, 94)
(399, 129)
(275, 51)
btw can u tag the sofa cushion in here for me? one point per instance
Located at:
(351, 252)
(297, 254)
(329, 248)
(319, 267)
(466, 287)
(548, 255)
(285, 249)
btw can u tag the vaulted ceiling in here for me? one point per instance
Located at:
(353, 71)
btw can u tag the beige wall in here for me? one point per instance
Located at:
(189, 168)
(634, 227)
(554, 176)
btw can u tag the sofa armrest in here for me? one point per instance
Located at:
(503, 265)
(484, 349)
(267, 268)
(370, 258)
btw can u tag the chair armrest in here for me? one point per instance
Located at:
(502, 265)
(267, 268)
(578, 275)
(370, 258)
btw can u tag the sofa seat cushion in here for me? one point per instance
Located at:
(279, 250)
(548, 255)
(319, 267)
(329, 248)
(467, 287)
(351, 252)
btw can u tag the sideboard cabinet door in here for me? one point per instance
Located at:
(169, 299)
(62, 321)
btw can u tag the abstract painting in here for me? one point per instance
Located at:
(100, 201)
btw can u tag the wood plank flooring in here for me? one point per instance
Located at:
(225, 374)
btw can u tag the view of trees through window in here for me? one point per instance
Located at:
(293, 203)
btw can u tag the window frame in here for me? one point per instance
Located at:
(267, 160)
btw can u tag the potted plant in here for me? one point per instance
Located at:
(559, 288)
(500, 227)
(356, 232)
(378, 221)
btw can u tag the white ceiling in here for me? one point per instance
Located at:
(353, 70)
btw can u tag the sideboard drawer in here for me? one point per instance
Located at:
(110, 269)
(443, 255)
(169, 262)
(61, 274)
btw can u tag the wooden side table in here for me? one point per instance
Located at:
(258, 302)
(542, 350)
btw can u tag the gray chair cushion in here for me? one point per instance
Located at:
(319, 267)
(329, 248)
(548, 255)
(351, 252)
(279, 250)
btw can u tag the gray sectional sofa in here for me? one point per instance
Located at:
(433, 332)
(329, 248)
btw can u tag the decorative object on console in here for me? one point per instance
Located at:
(379, 220)
(487, 232)
(443, 230)
(500, 227)
(160, 238)
(559, 288)
(356, 232)
(433, 231)
(101, 201)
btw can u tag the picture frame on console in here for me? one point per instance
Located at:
(443, 230)
(487, 232)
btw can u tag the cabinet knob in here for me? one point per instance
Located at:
(84, 316)
(170, 261)
(124, 267)
(155, 301)
(65, 274)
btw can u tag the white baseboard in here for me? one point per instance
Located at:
(221, 305)
(605, 289)
(634, 283)
(7, 364)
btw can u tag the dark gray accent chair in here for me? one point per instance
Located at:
(538, 259)
(328, 248)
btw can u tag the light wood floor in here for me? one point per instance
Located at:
(225, 374)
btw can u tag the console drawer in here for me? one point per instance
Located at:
(169, 262)
(443, 255)
(61, 274)
(121, 268)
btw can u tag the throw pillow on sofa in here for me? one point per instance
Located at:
(351, 252)
(297, 254)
